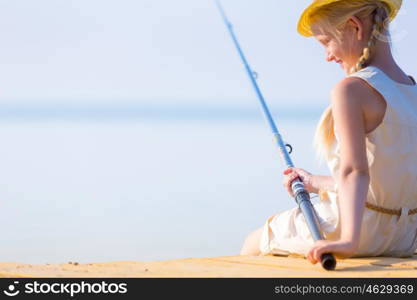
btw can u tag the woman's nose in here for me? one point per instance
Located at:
(329, 57)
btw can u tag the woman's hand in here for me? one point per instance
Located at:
(306, 178)
(339, 248)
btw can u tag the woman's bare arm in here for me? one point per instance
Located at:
(321, 182)
(353, 177)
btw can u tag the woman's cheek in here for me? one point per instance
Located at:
(339, 53)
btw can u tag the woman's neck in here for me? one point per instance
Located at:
(383, 59)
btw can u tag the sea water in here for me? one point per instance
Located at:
(91, 186)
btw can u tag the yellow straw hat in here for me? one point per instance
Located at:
(304, 24)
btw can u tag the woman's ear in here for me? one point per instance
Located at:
(357, 25)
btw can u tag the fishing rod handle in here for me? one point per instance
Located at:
(302, 197)
(297, 187)
(328, 262)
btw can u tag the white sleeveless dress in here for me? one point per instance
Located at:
(392, 159)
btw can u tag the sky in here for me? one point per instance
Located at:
(162, 52)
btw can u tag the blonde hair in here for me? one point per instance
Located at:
(332, 18)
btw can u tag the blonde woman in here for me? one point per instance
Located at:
(368, 137)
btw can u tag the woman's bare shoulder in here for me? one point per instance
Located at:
(354, 87)
(357, 92)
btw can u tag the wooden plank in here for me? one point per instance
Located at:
(226, 266)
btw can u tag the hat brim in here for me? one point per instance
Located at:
(305, 22)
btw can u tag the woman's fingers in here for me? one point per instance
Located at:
(297, 171)
(291, 173)
(287, 171)
(288, 180)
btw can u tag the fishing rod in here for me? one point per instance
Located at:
(301, 195)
